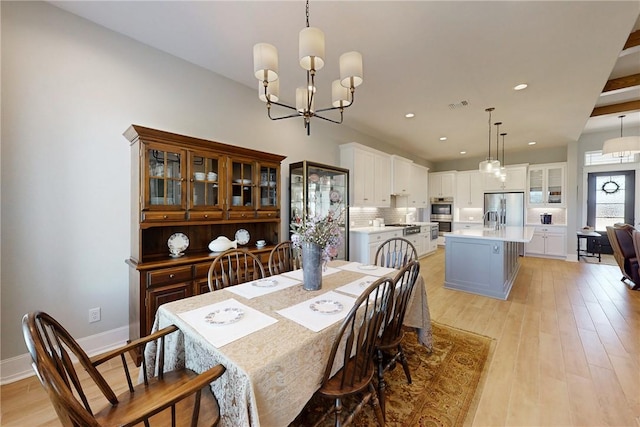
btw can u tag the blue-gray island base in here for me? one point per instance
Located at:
(484, 262)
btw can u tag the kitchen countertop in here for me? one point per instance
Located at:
(372, 230)
(506, 234)
(386, 228)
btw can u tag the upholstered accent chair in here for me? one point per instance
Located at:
(620, 237)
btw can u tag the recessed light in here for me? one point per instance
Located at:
(443, 138)
(531, 143)
(463, 152)
(409, 115)
(520, 86)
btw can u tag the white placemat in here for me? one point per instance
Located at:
(297, 274)
(258, 288)
(368, 269)
(320, 311)
(357, 286)
(223, 333)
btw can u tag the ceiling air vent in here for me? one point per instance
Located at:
(457, 105)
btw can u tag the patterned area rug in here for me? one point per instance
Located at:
(443, 388)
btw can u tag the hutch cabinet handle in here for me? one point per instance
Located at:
(165, 216)
(206, 216)
(171, 276)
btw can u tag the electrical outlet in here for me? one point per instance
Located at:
(94, 315)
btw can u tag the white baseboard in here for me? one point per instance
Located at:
(19, 367)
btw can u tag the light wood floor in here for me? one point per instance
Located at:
(567, 348)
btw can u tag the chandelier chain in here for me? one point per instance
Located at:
(307, 13)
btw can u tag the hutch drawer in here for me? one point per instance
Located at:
(168, 275)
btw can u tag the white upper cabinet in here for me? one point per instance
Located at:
(546, 185)
(369, 183)
(400, 175)
(442, 184)
(469, 191)
(418, 189)
(516, 180)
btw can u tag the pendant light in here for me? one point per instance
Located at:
(496, 171)
(623, 146)
(489, 165)
(503, 168)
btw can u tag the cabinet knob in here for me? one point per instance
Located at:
(206, 216)
(171, 276)
(165, 216)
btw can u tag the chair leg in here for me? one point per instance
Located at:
(376, 405)
(338, 411)
(405, 365)
(382, 385)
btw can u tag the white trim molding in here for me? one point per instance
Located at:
(19, 367)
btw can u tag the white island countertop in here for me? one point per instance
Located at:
(506, 234)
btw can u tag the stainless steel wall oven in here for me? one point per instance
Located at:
(442, 213)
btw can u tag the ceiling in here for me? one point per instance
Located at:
(424, 57)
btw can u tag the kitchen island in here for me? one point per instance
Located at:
(484, 261)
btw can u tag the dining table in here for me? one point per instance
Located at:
(273, 337)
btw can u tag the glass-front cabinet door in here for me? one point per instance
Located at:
(242, 185)
(268, 186)
(164, 183)
(206, 194)
(536, 187)
(316, 190)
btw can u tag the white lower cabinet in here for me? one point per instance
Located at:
(428, 245)
(416, 240)
(548, 241)
(363, 245)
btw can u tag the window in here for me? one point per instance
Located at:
(610, 198)
(592, 158)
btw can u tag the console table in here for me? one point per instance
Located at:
(597, 246)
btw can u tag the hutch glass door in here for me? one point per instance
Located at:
(316, 190)
(165, 177)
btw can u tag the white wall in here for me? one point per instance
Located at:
(69, 90)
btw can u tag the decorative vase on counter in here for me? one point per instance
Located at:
(311, 266)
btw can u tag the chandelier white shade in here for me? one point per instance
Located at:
(311, 54)
(622, 146)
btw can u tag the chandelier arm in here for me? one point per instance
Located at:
(331, 120)
(297, 114)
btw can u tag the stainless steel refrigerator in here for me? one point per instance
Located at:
(509, 207)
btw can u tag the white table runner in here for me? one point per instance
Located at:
(219, 335)
(258, 288)
(368, 269)
(357, 286)
(297, 274)
(316, 320)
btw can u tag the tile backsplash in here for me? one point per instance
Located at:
(363, 217)
(558, 215)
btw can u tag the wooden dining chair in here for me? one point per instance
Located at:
(284, 257)
(353, 350)
(179, 397)
(389, 349)
(395, 252)
(233, 267)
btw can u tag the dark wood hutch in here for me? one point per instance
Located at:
(203, 189)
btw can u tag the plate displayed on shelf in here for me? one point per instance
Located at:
(177, 243)
(367, 267)
(334, 196)
(224, 316)
(265, 283)
(326, 306)
(242, 236)
(242, 181)
(314, 177)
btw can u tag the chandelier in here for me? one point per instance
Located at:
(489, 165)
(623, 146)
(311, 53)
